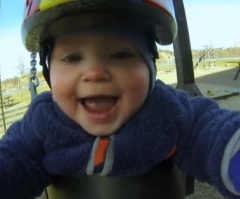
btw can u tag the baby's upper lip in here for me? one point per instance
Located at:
(98, 96)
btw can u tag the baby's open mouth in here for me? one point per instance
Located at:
(99, 104)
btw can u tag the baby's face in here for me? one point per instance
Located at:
(99, 81)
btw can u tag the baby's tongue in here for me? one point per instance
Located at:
(99, 104)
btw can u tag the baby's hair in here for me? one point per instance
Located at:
(45, 57)
(151, 41)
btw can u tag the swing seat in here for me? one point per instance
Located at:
(163, 182)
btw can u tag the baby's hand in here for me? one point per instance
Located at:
(234, 171)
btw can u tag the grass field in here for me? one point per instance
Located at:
(24, 96)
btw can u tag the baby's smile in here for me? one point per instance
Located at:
(99, 108)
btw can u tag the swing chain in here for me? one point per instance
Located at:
(33, 79)
(33, 62)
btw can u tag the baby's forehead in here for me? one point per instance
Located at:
(106, 39)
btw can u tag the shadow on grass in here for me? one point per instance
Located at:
(223, 78)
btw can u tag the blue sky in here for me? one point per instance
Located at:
(210, 22)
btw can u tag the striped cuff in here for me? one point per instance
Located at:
(109, 159)
(233, 146)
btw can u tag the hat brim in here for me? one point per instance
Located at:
(45, 24)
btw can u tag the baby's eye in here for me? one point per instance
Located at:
(72, 58)
(122, 55)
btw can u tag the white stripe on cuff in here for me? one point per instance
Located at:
(232, 147)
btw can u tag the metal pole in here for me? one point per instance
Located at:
(2, 105)
(184, 67)
(183, 53)
(1, 97)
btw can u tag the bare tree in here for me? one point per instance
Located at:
(21, 66)
(22, 69)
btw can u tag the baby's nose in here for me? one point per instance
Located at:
(96, 73)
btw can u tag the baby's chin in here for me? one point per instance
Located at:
(101, 132)
(98, 134)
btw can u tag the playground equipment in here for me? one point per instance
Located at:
(207, 56)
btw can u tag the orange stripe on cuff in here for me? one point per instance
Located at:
(101, 151)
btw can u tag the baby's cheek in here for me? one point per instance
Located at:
(140, 86)
(137, 93)
(60, 84)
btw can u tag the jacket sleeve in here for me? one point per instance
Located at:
(230, 169)
(205, 130)
(234, 172)
(21, 152)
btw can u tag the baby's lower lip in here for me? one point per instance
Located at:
(100, 109)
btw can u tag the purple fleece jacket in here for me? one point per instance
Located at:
(46, 143)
